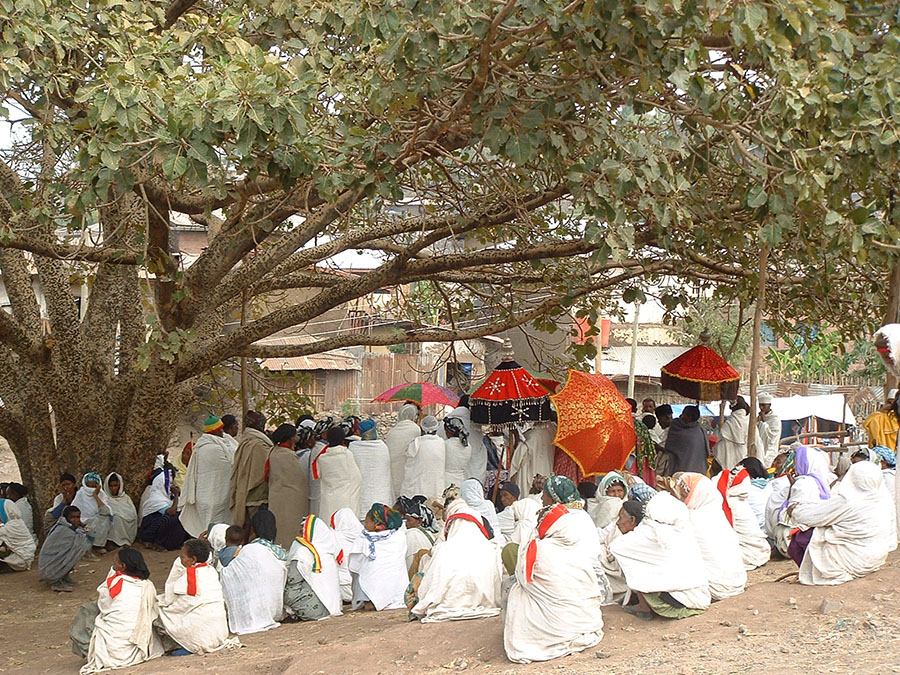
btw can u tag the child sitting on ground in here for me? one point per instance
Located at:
(234, 538)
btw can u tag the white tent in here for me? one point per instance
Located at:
(831, 407)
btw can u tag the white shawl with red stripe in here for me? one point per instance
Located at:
(192, 608)
(463, 579)
(554, 608)
(735, 489)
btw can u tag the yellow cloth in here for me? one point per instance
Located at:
(182, 470)
(882, 428)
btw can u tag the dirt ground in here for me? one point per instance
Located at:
(761, 630)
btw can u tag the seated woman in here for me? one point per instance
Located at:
(378, 561)
(734, 486)
(313, 588)
(806, 481)
(758, 489)
(604, 507)
(630, 516)
(554, 607)
(253, 582)
(123, 632)
(561, 490)
(192, 607)
(472, 492)
(420, 531)
(662, 562)
(16, 542)
(717, 539)
(347, 528)
(887, 460)
(850, 536)
(160, 527)
(64, 546)
(123, 527)
(96, 516)
(18, 493)
(463, 579)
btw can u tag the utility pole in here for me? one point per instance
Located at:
(634, 341)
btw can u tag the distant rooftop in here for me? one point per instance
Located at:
(649, 359)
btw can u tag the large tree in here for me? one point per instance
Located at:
(558, 152)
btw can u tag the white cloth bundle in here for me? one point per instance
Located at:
(15, 535)
(253, 585)
(382, 579)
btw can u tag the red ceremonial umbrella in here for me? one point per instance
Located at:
(701, 374)
(510, 395)
(421, 393)
(594, 423)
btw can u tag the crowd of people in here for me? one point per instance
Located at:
(306, 521)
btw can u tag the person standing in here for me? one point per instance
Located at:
(288, 490)
(768, 430)
(533, 455)
(732, 445)
(230, 431)
(425, 462)
(338, 475)
(181, 461)
(207, 485)
(249, 489)
(687, 443)
(398, 439)
(373, 458)
(882, 426)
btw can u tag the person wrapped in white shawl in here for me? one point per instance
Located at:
(425, 462)
(374, 462)
(630, 516)
(734, 486)
(17, 545)
(554, 608)
(731, 447)
(347, 529)
(123, 632)
(533, 455)
(206, 496)
(398, 439)
(463, 578)
(852, 534)
(662, 561)
(339, 478)
(458, 452)
(421, 531)
(604, 506)
(378, 560)
(717, 539)
(192, 607)
(124, 524)
(92, 501)
(253, 582)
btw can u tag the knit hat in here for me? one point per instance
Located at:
(212, 424)
(764, 398)
(367, 430)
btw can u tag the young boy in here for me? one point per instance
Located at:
(234, 538)
(66, 544)
(192, 608)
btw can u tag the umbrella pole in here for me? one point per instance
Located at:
(754, 359)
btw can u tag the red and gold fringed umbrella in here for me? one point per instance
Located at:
(702, 375)
(594, 423)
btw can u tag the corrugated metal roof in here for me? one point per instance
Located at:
(648, 360)
(326, 361)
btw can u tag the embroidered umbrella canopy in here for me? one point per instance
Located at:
(510, 395)
(701, 374)
(594, 423)
(421, 393)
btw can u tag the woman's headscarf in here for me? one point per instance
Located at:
(684, 483)
(367, 430)
(264, 525)
(456, 427)
(641, 492)
(417, 509)
(84, 498)
(385, 518)
(408, 412)
(886, 455)
(610, 479)
(562, 490)
(134, 563)
(429, 425)
(806, 464)
(216, 537)
(472, 493)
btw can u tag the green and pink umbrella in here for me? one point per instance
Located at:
(420, 393)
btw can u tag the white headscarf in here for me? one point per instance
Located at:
(408, 412)
(472, 492)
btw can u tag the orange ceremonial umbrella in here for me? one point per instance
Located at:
(595, 427)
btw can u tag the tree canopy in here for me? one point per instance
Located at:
(558, 153)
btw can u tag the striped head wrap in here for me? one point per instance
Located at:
(610, 479)
(305, 539)
(212, 425)
(91, 476)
